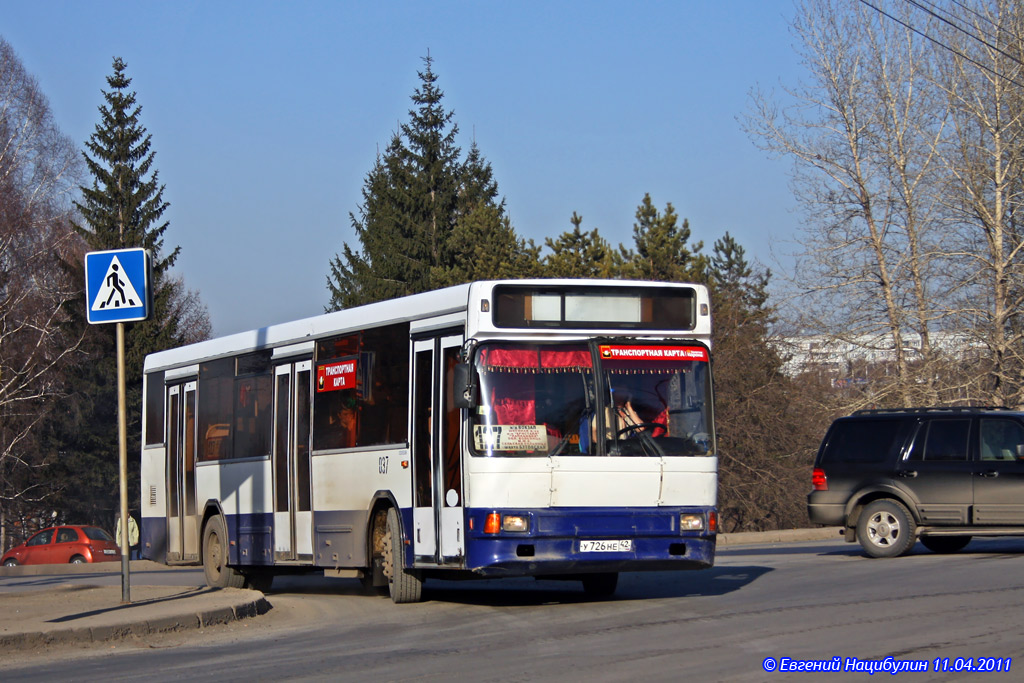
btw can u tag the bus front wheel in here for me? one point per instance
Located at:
(215, 556)
(403, 584)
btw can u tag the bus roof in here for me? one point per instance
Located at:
(426, 305)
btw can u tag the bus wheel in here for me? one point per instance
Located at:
(215, 556)
(403, 584)
(600, 585)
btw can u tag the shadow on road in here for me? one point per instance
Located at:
(1003, 547)
(528, 591)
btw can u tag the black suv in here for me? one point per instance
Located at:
(944, 474)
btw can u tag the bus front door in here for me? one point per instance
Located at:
(182, 521)
(438, 506)
(293, 516)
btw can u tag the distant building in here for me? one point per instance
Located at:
(843, 358)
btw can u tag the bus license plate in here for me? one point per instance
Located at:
(618, 546)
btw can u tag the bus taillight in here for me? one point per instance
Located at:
(819, 480)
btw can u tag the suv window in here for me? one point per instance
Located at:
(861, 441)
(1000, 439)
(945, 440)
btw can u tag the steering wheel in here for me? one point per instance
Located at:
(639, 426)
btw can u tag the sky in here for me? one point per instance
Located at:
(266, 117)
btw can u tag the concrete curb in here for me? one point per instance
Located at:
(780, 536)
(140, 628)
(175, 618)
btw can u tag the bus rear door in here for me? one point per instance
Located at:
(182, 522)
(293, 516)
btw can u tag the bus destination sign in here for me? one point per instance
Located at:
(336, 376)
(609, 352)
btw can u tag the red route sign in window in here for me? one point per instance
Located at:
(609, 352)
(335, 376)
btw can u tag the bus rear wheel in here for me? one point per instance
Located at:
(403, 584)
(215, 556)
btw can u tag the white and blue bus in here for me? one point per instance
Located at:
(557, 429)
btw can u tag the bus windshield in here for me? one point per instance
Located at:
(546, 399)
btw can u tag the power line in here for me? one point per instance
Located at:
(943, 45)
(970, 10)
(915, 3)
(975, 12)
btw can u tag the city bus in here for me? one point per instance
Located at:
(557, 429)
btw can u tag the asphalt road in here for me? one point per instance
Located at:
(761, 607)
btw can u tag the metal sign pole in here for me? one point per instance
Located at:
(117, 290)
(122, 447)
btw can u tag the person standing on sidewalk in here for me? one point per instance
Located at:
(133, 537)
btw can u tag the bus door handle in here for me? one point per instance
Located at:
(988, 473)
(908, 474)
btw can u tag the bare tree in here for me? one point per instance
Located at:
(191, 313)
(864, 135)
(981, 78)
(38, 170)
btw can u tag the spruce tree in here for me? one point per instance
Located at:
(123, 208)
(378, 270)
(428, 219)
(482, 243)
(735, 280)
(434, 175)
(579, 254)
(662, 251)
(409, 201)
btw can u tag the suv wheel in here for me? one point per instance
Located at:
(886, 529)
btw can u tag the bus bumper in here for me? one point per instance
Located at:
(555, 543)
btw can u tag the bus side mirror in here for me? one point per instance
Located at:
(465, 389)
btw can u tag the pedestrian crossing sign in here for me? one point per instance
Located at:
(117, 286)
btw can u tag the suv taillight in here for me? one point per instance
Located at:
(819, 480)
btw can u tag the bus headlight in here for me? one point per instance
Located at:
(689, 521)
(496, 523)
(515, 523)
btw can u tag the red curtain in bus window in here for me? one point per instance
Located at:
(493, 358)
(564, 358)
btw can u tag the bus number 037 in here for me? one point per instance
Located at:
(382, 464)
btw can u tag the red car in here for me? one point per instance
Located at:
(64, 544)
